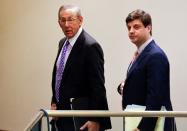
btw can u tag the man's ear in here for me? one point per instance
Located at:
(80, 19)
(149, 27)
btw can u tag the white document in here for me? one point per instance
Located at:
(132, 122)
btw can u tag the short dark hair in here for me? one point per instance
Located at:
(143, 16)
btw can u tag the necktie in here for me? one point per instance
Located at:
(60, 69)
(134, 59)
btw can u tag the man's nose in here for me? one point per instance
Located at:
(66, 23)
(131, 30)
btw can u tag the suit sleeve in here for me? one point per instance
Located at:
(157, 72)
(95, 74)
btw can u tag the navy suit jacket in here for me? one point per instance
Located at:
(148, 84)
(83, 76)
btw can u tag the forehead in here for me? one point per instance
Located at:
(67, 13)
(135, 22)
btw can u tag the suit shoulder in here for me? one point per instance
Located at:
(61, 41)
(89, 39)
(89, 42)
(156, 50)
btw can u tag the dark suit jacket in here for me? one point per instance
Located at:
(83, 77)
(148, 84)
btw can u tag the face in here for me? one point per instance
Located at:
(138, 34)
(69, 22)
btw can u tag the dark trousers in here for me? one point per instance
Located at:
(65, 124)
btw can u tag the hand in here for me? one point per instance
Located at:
(53, 107)
(120, 87)
(91, 126)
(136, 129)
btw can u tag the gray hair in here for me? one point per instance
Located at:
(74, 8)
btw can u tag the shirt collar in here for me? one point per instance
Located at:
(142, 47)
(73, 40)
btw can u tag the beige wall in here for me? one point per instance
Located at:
(29, 36)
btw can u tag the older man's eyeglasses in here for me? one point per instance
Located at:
(68, 20)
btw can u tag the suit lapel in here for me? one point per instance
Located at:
(74, 52)
(61, 43)
(140, 58)
(60, 48)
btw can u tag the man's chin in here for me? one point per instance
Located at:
(133, 41)
(69, 36)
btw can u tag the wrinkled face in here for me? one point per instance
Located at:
(69, 22)
(137, 32)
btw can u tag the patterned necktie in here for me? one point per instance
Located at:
(60, 69)
(135, 57)
(136, 54)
